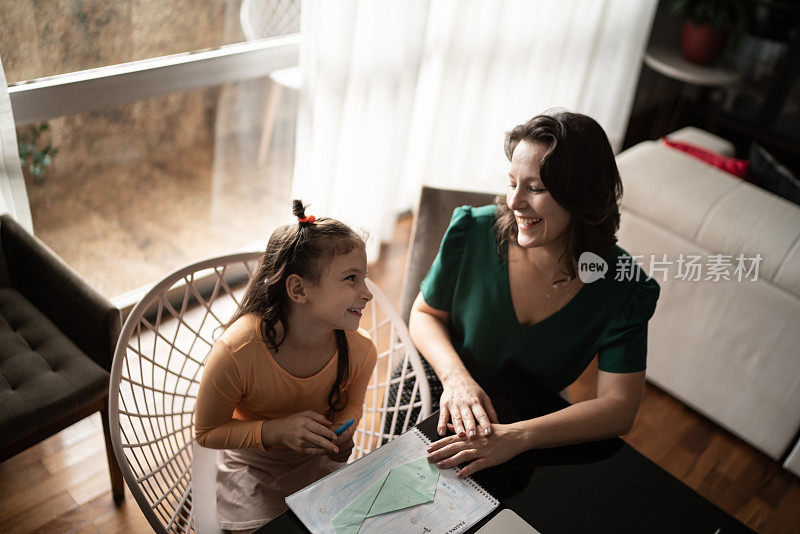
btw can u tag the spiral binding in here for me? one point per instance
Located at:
(468, 480)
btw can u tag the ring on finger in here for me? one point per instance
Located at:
(474, 454)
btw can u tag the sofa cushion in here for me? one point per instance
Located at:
(705, 206)
(43, 375)
(702, 138)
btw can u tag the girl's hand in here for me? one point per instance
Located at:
(305, 432)
(463, 402)
(501, 445)
(344, 442)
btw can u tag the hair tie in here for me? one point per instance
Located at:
(309, 219)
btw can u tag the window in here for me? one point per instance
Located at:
(160, 161)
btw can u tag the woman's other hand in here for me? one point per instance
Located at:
(464, 402)
(344, 442)
(307, 432)
(501, 445)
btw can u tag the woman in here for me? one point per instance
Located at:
(504, 290)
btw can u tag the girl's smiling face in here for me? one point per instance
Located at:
(540, 219)
(339, 297)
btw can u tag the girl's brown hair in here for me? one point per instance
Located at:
(301, 249)
(580, 172)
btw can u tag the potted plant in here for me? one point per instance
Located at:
(708, 25)
(34, 155)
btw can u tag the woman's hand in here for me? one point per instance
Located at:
(463, 402)
(305, 432)
(344, 442)
(501, 445)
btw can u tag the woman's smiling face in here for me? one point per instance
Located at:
(540, 219)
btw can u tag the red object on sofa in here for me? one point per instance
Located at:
(734, 166)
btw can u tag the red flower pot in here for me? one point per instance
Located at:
(702, 43)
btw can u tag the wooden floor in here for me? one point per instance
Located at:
(62, 485)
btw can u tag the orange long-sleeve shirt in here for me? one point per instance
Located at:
(242, 385)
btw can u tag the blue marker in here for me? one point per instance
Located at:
(339, 431)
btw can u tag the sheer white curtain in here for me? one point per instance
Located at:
(13, 196)
(397, 94)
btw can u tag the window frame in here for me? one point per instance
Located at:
(84, 91)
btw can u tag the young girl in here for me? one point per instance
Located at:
(290, 367)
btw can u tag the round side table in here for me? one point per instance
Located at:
(678, 73)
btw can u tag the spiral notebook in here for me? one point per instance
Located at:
(457, 503)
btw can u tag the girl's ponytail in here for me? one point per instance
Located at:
(300, 212)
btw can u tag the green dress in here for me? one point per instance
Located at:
(469, 278)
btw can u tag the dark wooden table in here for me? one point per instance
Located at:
(602, 486)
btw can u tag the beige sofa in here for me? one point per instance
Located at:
(728, 349)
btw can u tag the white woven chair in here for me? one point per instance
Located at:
(156, 373)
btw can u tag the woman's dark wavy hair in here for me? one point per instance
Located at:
(580, 172)
(301, 249)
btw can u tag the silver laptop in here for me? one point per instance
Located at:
(507, 522)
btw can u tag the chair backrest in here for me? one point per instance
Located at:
(398, 395)
(269, 18)
(158, 364)
(155, 376)
(431, 219)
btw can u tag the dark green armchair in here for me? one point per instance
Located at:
(57, 338)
